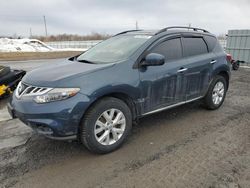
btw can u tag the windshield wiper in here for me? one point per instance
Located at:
(85, 61)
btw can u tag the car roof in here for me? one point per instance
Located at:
(168, 30)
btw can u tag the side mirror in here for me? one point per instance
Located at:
(153, 59)
(74, 57)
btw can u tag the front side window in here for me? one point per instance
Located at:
(171, 49)
(194, 46)
(115, 49)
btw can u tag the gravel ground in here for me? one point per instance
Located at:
(183, 147)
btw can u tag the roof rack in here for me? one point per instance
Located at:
(127, 31)
(182, 27)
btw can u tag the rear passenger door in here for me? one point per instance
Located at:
(198, 70)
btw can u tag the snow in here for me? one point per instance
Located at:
(23, 45)
(29, 45)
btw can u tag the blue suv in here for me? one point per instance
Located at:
(96, 96)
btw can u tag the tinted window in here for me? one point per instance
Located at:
(171, 49)
(194, 46)
(211, 42)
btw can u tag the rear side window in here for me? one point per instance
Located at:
(194, 46)
(211, 42)
(171, 49)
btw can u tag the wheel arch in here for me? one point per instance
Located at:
(226, 75)
(125, 98)
(119, 95)
(224, 71)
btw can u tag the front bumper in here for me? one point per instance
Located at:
(56, 120)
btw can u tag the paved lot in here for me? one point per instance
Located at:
(183, 147)
(29, 64)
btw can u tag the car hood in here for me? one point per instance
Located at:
(50, 76)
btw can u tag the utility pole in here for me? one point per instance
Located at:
(136, 25)
(30, 33)
(45, 25)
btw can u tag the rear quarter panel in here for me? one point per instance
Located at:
(221, 65)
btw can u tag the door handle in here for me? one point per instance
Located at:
(213, 62)
(182, 70)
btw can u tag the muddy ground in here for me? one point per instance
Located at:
(183, 147)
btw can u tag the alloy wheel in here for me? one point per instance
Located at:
(110, 126)
(218, 93)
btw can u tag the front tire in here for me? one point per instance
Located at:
(106, 125)
(216, 93)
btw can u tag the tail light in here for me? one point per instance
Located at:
(229, 57)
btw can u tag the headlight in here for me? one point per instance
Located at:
(56, 94)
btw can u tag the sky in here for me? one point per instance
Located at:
(20, 17)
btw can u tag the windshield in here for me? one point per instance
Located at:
(114, 49)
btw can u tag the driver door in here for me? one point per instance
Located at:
(162, 86)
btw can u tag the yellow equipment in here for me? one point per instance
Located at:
(9, 79)
(3, 89)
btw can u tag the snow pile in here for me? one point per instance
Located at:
(23, 45)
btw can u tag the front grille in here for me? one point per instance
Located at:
(24, 89)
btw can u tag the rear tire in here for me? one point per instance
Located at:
(216, 93)
(106, 125)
